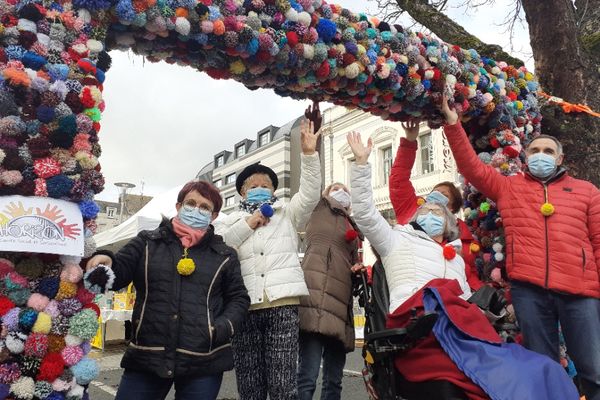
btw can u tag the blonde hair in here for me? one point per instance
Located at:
(246, 183)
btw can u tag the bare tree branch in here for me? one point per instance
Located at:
(451, 32)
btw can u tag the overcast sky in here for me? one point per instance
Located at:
(163, 122)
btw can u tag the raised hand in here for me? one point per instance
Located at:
(50, 213)
(314, 114)
(450, 114)
(17, 210)
(411, 128)
(308, 140)
(69, 230)
(360, 151)
(99, 259)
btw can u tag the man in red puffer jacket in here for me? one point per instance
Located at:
(552, 227)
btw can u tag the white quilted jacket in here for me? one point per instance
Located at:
(410, 257)
(269, 254)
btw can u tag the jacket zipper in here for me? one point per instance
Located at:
(546, 234)
(137, 330)
(210, 327)
(583, 254)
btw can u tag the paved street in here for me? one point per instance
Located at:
(105, 386)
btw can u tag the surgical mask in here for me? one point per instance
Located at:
(258, 195)
(437, 198)
(432, 224)
(541, 165)
(194, 217)
(341, 196)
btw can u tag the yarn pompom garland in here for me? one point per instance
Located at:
(52, 367)
(84, 324)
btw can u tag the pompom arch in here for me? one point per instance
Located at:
(54, 60)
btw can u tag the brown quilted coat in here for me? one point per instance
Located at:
(326, 264)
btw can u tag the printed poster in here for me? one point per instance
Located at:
(40, 225)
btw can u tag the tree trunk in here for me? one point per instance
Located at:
(566, 47)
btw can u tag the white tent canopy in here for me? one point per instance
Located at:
(147, 218)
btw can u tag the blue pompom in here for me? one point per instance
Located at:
(100, 75)
(58, 72)
(49, 287)
(55, 396)
(85, 371)
(14, 52)
(124, 10)
(92, 5)
(27, 318)
(33, 60)
(89, 209)
(59, 186)
(45, 114)
(266, 210)
(326, 30)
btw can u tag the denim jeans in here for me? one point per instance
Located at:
(313, 348)
(145, 386)
(539, 312)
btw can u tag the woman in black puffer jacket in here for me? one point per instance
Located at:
(190, 300)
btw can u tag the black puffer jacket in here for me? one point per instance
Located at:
(173, 314)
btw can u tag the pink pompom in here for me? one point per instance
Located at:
(36, 345)
(5, 267)
(496, 275)
(52, 309)
(71, 273)
(38, 302)
(72, 355)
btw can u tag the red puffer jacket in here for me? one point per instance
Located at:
(560, 252)
(404, 201)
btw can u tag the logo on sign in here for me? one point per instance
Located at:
(50, 224)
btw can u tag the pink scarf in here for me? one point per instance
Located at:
(189, 236)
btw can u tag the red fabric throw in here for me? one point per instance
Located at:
(189, 236)
(428, 361)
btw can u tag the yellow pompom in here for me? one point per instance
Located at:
(547, 209)
(504, 166)
(474, 247)
(186, 266)
(43, 323)
(66, 290)
(420, 201)
(237, 67)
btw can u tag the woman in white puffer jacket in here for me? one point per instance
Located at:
(412, 254)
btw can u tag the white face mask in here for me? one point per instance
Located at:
(341, 196)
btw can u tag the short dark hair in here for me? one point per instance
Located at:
(455, 203)
(559, 146)
(206, 189)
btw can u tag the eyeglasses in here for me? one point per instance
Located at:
(189, 205)
(435, 211)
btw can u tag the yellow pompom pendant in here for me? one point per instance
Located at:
(186, 266)
(420, 201)
(547, 209)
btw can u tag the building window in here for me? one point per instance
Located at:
(426, 146)
(229, 201)
(386, 160)
(111, 212)
(230, 178)
(240, 151)
(264, 138)
(218, 183)
(220, 161)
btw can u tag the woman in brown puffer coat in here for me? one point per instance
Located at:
(326, 318)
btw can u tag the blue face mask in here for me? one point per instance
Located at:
(258, 195)
(431, 224)
(195, 217)
(541, 165)
(437, 198)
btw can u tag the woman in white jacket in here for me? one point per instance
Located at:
(264, 233)
(412, 254)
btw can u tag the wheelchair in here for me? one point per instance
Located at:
(382, 346)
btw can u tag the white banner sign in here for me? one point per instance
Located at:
(40, 225)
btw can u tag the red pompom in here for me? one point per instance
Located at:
(84, 296)
(449, 252)
(5, 305)
(351, 235)
(494, 142)
(51, 368)
(94, 307)
(292, 38)
(323, 70)
(510, 152)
